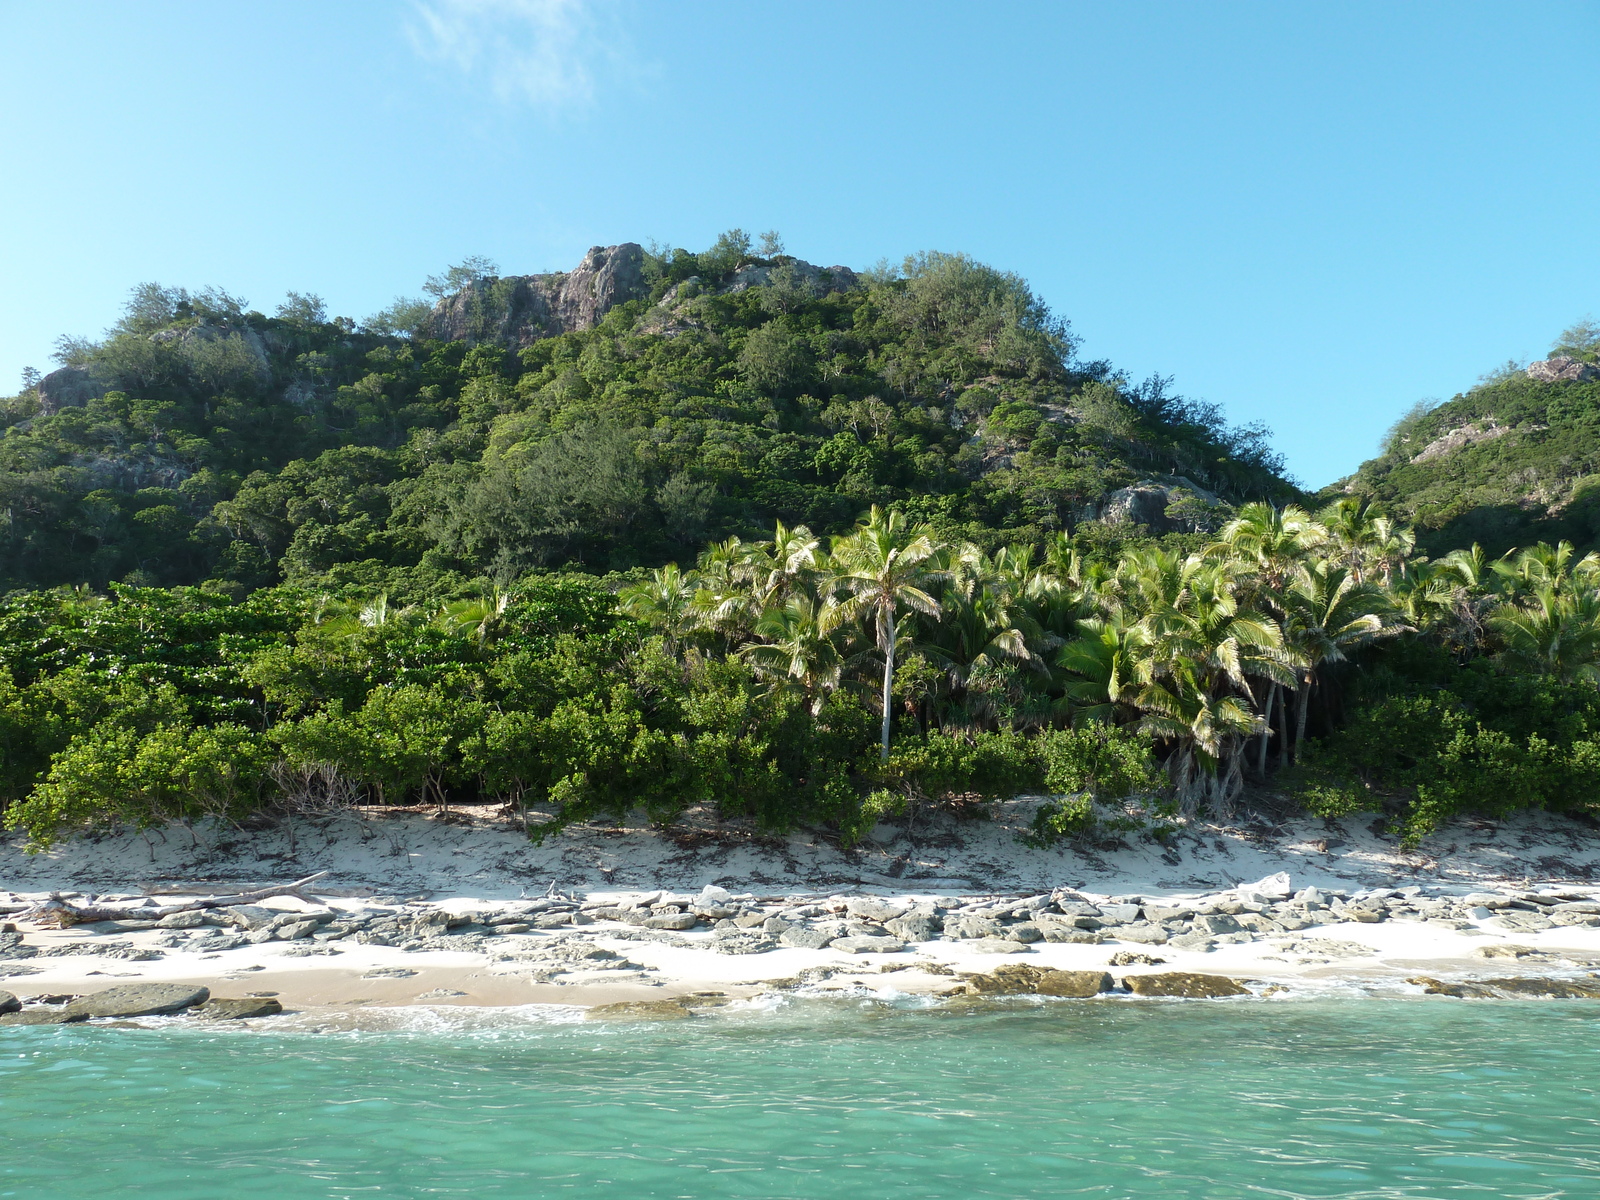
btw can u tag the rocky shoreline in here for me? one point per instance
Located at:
(663, 954)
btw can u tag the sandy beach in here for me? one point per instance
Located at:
(462, 910)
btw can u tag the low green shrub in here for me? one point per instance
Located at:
(1107, 782)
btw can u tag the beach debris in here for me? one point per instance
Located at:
(389, 973)
(1186, 985)
(59, 910)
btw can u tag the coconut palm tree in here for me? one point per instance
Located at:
(1103, 665)
(1330, 616)
(799, 650)
(1523, 572)
(1555, 631)
(986, 633)
(483, 618)
(665, 601)
(882, 568)
(1364, 539)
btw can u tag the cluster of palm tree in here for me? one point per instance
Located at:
(1215, 654)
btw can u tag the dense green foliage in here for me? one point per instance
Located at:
(1511, 462)
(248, 450)
(379, 564)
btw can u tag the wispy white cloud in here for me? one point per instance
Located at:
(547, 53)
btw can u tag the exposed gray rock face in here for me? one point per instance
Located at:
(795, 273)
(1551, 370)
(69, 387)
(518, 310)
(137, 1000)
(1146, 504)
(9, 1003)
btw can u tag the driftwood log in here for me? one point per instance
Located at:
(62, 912)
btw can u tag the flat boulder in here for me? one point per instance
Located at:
(248, 917)
(1147, 935)
(1516, 988)
(803, 937)
(1020, 979)
(140, 1000)
(639, 1010)
(40, 1016)
(1186, 985)
(672, 921)
(870, 908)
(915, 927)
(220, 1009)
(867, 944)
(995, 945)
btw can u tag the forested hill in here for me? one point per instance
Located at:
(1514, 461)
(619, 415)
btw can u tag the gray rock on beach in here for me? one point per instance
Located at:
(39, 1016)
(803, 937)
(239, 1010)
(999, 946)
(915, 927)
(868, 945)
(1145, 935)
(138, 1000)
(870, 908)
(9, 1003)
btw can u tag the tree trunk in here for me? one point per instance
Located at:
(887, 624)
(65, 913)
(1266, 732)
(1302, 703)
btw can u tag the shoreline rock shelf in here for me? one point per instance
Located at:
(575, 941)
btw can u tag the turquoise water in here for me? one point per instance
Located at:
(1348, 1099)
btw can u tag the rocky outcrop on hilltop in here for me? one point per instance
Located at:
(517, 310)
(67, 387)
(1563, 370)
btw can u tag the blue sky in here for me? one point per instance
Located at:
(1312, 215)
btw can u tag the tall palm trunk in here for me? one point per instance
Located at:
(886, 637)
(1302, 703)
(1266, 731)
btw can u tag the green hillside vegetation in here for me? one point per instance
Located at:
(1509, 463)
(795, 555)
(240, 450)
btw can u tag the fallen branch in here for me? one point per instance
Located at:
(64, 912)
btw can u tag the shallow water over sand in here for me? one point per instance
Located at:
(822, 1099)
